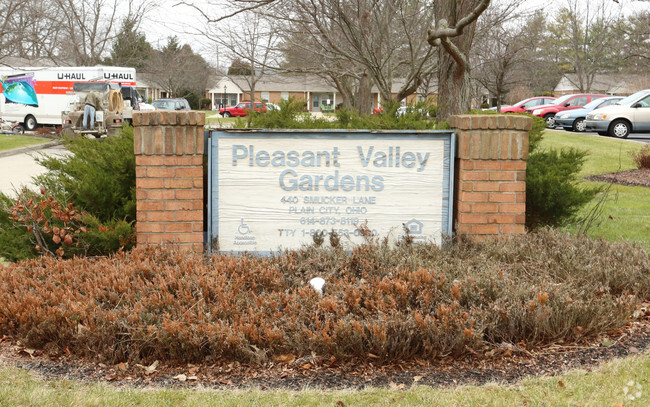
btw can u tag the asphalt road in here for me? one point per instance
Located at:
(638, 137)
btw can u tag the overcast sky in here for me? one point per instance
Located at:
(169, 18)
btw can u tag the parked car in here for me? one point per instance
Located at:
(629, 115)
(242, 109)
(574, 120)
(566, 102)
(522, 105)
(171, 104)
(146, 106)
(402, 110)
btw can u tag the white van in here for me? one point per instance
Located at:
(38, 95)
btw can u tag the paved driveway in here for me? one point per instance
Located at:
(17, 170)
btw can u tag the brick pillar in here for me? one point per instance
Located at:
(490, 179)
(169, 178)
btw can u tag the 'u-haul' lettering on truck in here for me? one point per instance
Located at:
(121, 76)
(76, 76)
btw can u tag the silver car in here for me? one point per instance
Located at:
(630, 115)
(574, 120)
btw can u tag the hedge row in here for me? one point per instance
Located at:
(392, 303)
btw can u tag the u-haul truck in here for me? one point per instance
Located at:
(38, 95)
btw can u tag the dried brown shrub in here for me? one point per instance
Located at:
(642, 158)
(391, 303)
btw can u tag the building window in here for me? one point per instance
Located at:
(220, 99)
(284, 95)
(265, 96)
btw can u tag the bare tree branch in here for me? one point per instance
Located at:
(444, 31)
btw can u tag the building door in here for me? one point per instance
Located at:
(315, 103)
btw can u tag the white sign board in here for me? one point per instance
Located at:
(274, 191)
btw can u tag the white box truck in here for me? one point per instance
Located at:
(38, 95)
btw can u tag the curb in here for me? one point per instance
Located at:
(23, 150)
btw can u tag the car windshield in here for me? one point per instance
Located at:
(560, 101)
(594, 103)
(163, 104)
(633, 98)
(521, 102)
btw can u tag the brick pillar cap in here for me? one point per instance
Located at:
(164, 118)
(491, 122)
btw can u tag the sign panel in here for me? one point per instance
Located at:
(275, 190)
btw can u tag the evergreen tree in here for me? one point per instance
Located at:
(130, 48)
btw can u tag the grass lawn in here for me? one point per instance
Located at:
(212, 117)
(604, 387)
(11, 141)
(628, 217)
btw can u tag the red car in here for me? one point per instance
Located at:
(566, 102)
(521, 106)
(242, 109)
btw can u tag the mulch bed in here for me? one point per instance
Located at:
(503, 364)
(639, 177)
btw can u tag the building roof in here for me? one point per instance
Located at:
(275, 83)
(285, 83)
(12, 62)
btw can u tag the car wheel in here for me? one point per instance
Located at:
(30, 123)
(550, 120)
(227, 114)
(619, 129)
(579, 124)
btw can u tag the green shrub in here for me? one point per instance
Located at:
(99, 178)
(553, 193)
(535, 134)
(292, 116)
(553, 196)
(107, 237)
(15, 243)
(396, 303)
(205, 102)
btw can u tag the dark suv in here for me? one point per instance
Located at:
(171, 104)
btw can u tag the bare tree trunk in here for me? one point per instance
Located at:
(346, 87)
(454, 87)
(365, 101)
(454, 33)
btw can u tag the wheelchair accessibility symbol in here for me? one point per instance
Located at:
(243, 228)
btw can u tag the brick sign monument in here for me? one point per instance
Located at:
(272, 190)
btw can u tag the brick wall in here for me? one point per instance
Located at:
(168, 149)
(490, 179)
